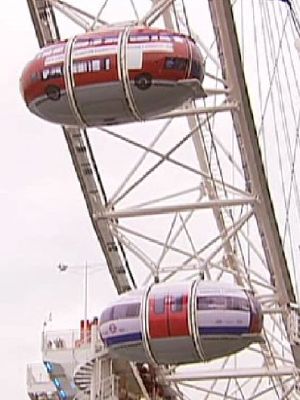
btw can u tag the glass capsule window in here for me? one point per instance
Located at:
(222, 303)
(133, 310)
(110, 40)
(177, 304)
(107, 315)
(91, 65)
(176, 63)
(139, 38)
(120, 311)
(53, 72)
(159, 305)
(196, 69)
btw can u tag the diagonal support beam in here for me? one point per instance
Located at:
(134, 212)
(239, 373)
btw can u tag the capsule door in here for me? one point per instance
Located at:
(178, 315)
(158, 316)
(168, 315)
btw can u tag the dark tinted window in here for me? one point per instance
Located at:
(222, 303)
(159, 305)
(196, 70)
(240, 304)
(209, 303)
(176, 63)
(107, 315)
(53, 72)
(110, 40)
(177, 304)
(120, 311)
(165, 37)
(139, 38)
(133, 310)
(123, 311)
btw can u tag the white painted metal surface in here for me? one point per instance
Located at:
(244, 245)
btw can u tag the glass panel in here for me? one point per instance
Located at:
(45, 73)
(159, 305)
(176, 63)
(107, 63)
(133, 310)
(240, 304)
(96, 65)
(222, 303)
(53, 72)
(196, 69)
(80, 67)
(106, 315)
(56, 72)
(81, 43)
(120, 311)
(139, 38)
(177, 304)
(97, 42)
(211, 303)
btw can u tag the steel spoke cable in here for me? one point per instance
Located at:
(213, 149)
(61, 5)
(296, 191)
(284, 63)
(167, 240)
(291, 157)
(135, 10)
(270, 92)
(282, 110)
(141, 160)
(259, 81)
(214, 383)
(97, 17)
(153, 240)
(267, 389)
(213, 392)
(270, 75)
(163, 157)
(157, 200)
(215, 153)
(287, 198)
(180, 229)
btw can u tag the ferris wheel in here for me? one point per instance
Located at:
(182, 121)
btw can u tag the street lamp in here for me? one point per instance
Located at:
(64, 267)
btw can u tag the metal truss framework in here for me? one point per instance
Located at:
(237, 208)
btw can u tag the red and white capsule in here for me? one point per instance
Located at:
(178, 323)
(113, 76)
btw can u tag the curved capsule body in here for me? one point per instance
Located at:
(113, 76)
(181, 323)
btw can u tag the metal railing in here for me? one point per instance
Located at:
(70, 339)
(36, 373)
(44, 396)
(39, 386)
(109, 388)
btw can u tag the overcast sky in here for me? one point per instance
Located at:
(44, 219)
(41, 210)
